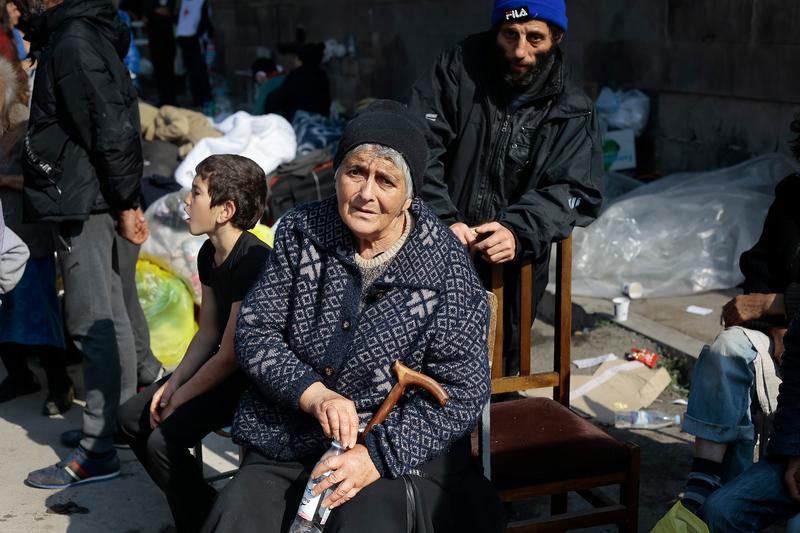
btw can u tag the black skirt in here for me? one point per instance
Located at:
(446, 495)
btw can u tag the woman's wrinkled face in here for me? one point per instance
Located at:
(371, 192)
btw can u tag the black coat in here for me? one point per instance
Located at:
(532, 162)
(535, 166)
(83, 152)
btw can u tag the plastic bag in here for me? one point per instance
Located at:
(621, 110)
(681, 234)
(680, 520)
(170, 244)
(169, 309)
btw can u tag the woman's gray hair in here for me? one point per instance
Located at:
(379, 150)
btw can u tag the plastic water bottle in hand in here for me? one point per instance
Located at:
(311, 515)
(644, 419)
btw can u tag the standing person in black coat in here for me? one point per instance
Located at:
(306, 88)
(516, 158)
(160, 15)
(194, 21)
(82, 167)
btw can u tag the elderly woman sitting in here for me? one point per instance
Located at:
(356, 282)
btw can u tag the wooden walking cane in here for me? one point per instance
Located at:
(405, 378)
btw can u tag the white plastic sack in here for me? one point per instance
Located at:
(621, 110)
(269, 140)
(681, 234)
(170, 244)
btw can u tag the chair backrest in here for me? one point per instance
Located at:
(558, 378)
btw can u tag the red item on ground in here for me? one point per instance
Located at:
(644, 356)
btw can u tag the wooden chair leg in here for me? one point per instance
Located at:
(558, 504)
(629, 492)
(198, 454)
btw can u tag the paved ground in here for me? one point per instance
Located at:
(132, 503)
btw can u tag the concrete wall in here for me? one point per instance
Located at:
(722, 74)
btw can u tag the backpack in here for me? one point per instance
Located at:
(308, 178)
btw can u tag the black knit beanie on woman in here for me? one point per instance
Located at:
(391, 124)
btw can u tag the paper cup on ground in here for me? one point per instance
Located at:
(621, 305)
(633, 290)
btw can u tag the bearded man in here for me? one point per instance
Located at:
(516, 160)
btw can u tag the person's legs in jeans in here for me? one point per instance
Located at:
(718, 415)
(97, 321)
(164, 452)
(751, 502)
(147, 366)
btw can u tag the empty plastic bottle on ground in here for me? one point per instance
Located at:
(645, 419)
(311, 516)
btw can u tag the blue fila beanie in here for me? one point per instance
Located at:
(553, 11)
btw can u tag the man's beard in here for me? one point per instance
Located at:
(521, 80)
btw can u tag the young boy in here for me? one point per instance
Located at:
(163, 421)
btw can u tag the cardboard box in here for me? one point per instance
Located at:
(617, 385)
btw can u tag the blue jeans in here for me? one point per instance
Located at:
(752, 501)
(719, 400)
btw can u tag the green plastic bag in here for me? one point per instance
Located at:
(680, 520)
(169, 309)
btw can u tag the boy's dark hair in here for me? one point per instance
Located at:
(238, 179)
(795, 144)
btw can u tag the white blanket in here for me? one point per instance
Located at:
(269, 140)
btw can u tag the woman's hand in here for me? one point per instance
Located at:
(159, 401)
(336, 414)
(351, 471)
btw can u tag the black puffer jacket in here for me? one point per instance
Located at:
(532, 162)
(83, 152)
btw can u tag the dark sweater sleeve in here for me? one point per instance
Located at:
(766, 265)
(261, 348)
(791, 300)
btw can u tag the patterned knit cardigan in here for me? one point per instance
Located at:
(300, 323)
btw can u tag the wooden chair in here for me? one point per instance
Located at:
(537, 446)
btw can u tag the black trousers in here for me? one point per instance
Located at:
(450, 496)
(162, 51)
(164, 452)
(196, 69)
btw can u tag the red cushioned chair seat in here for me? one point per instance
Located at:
(538, 440)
